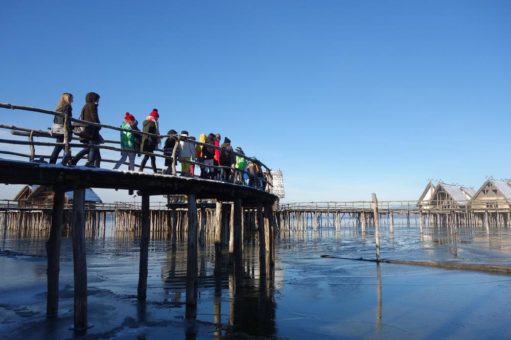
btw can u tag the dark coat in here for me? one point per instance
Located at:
(208, 151)
(227, 156)
(90, 114)
(149, 142)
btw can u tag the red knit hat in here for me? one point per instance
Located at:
(128, 116)
(154, 113)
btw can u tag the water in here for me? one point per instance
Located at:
(310, 297)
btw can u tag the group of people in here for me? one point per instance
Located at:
(215, 160)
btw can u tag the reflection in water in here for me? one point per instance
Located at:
(307, 285)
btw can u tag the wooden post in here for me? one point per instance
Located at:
(376, 225)
(53, 251)
(144, 248)
(218, 235)
(363, 221)
(267, 236)
(391, 216)
(238, 242)
(191, 265)
(262, 240)
(79, 261)
(203, 219)
(231, 232)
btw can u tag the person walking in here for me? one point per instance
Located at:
(187, 154)
(226, 159)
(57, 129)
(127, 142)
(168, 150)
(90, 134)
(208, 154)
(149, 142)
(240, 165)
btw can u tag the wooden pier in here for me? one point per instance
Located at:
(236, 206)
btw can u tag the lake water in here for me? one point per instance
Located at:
(310, 297)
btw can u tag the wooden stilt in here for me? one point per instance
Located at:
(79, 261)
(238, 242)
(376, 225)
(53, 252)
(191, 266)
(144, 249)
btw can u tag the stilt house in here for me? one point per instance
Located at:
(451, 196)
(424, 202)
(493, 194)
(42, 197)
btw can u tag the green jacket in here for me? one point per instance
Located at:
(241, 162)
(127, 138)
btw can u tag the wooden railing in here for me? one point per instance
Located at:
(263, 180)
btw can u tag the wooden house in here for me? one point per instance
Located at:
(424, 202)
(42, 196)
(493, 194)
(450, 196)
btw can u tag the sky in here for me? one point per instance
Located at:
(345, 97)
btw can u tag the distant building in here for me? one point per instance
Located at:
(424, 202)
(451, 196)
(493, 194)
(277, 185)
(40, 195)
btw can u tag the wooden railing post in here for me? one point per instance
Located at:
(144, 248)
(79, 261)
(53, 252)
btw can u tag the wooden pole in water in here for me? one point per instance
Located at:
(238, 242)
(144, 248)
(218, 235)
(79, 261)
(203, 220)
(262, 240)
(191, 266)
(53, 252)
(376, 225)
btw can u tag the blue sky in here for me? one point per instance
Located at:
(345, 97)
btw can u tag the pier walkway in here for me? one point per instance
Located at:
(15, 169)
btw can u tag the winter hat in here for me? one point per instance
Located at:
(172, 132)
(154, 113)
(128, 116)
(238, 149)
(227, 140)
(184, 133)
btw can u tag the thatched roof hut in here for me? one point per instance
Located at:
(493, 194)
(424, 202)
(451, 196)
(42, 196)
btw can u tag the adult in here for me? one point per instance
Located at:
(240, 165)
(227, 159)
(208, 154)
(127, 142)
(90, 134)
(150, 139)
(58, 128)
(187, 153)
(168, 150)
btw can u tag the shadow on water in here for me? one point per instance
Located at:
(305, 296)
